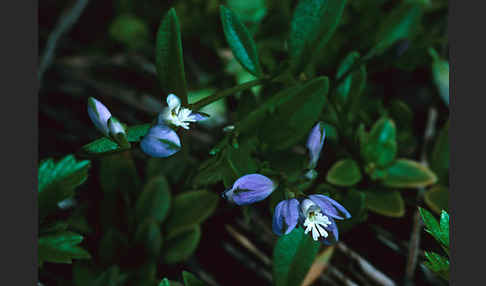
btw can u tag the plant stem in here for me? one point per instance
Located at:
(218, 95)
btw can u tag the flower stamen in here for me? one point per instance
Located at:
(317, 222)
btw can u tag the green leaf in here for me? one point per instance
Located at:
(406, 173)
(438, 264)
(293, 256)
(444, 227)
(112, 245)
(380, 146)
(387, 203)
(344, 173)
(191, 280)
(348, 92)
(440, 231)
(190, 209)
(437, 198)
(181, 246)
(296, 110)
(149, 237)
(61, 247)
(154, 202)
(210, 172)
(401, 23)
(57, 181)
(313, 23)
(439, 158)
(440, 71)
(168, 57)
(111, 277)
(164, 282)
(239, 162)
(105, 145)
(240, 41)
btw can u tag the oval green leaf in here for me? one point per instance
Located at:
(105, 146)
(293, 256)
(439, 158)
(240, 41)
(387, 203)
(401, 23)
(154, 202)
(406, 173)
(437, 198)
(313, 23)
(168, 57)
(181, 246)
(189, 209)
(380, 146)
(297, 109)
(149, 236)
(344, 173)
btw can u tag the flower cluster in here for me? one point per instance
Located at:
(316, 213)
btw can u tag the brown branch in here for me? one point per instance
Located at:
(414, 245)
(378, 277)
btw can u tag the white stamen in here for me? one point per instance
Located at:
(317, 222)
(176, 114)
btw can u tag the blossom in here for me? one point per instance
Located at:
(160, 141)
(316, 214)
(286, 216)
(315, 141)
(99, 115)
(177, 115)
(250, 189)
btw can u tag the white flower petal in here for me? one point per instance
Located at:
(173, 101)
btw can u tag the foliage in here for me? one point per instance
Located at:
(265, 73)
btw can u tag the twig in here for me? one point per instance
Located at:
(343, 279)
(378, 277)
(248, 262)
(64, 25)
(413, 246)
(249, 245)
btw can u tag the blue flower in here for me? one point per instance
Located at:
(250, 189)
(286, 216)
(315, 213)
(315, 141)
(160, 142)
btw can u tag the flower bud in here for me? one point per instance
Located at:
(117, 132)
(250, 189)
(99, 115)
(315, 143)
(160, 142)
(286, 216)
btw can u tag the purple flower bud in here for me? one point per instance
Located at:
(160, 142)
(286, 216)
(250, 189)
(99, 115)
(315, 143)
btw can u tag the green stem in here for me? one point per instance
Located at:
(218, 95)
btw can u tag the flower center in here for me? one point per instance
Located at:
(316, 222)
